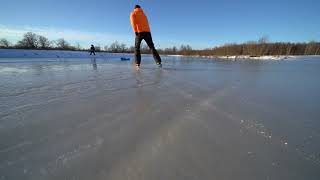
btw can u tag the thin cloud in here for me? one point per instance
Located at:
(14, 33)
(84, 38)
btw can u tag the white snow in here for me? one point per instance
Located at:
(175, 55)
(247, 57)
(256, 57)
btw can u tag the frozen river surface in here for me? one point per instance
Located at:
(81, 119)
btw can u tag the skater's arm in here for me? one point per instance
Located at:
(133, 23)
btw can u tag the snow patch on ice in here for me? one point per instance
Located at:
(247, 57)
(256, 57)
(12, 70)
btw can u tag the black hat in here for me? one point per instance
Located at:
(137, 6)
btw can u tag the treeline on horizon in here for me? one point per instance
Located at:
(262, 47)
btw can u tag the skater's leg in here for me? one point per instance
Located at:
(137, 52)
(156, 56)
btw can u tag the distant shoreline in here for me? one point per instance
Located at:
(248, 57)
(37, 53)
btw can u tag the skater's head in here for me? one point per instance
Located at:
(137, 6)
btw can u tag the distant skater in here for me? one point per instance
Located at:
(140, 25)
(92, 50)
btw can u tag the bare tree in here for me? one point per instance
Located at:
(123, 47)
(115, 47)
(4, 43)
(30, 40)
(131, 49)
(288, 49)
(144, 48)
(185, 49)
(318, 50)
(62, 44)
(174, 49)
(44, 43)
(106, 48)
(98, 48)
(78, 46)
(263, 39)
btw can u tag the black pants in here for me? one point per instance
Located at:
(148, 38)
(92, 52)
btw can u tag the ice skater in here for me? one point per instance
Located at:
(92, 50)
(140, 25)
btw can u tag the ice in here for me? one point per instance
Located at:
(100, 118)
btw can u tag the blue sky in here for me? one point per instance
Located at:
(200, 23)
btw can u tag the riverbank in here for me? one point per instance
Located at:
(25, 53)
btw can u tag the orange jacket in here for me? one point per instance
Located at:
(139, 21)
